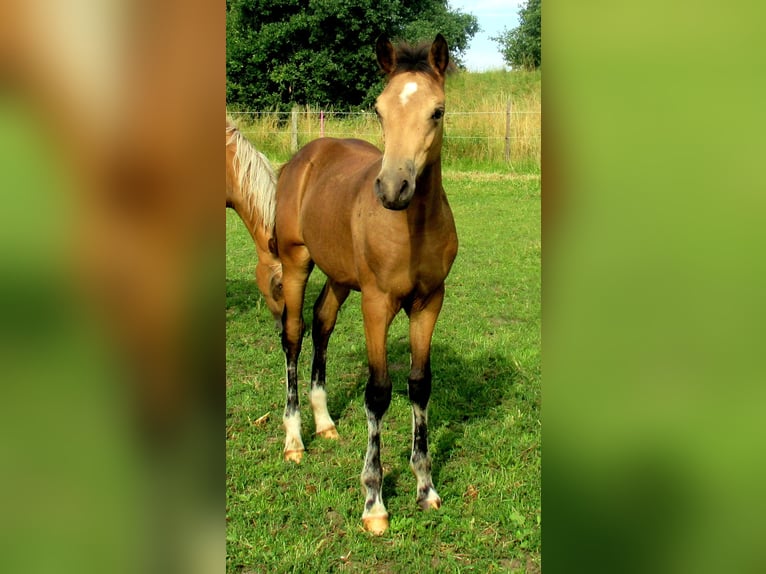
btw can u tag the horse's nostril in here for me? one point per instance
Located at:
(405, 185)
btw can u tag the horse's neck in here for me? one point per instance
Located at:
(428, 212)
(431, 197)
(242, 209)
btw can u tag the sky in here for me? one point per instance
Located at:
(494, 16)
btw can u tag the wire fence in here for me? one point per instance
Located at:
(502, 136)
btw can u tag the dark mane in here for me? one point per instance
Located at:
(414, 58)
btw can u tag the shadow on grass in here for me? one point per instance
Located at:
(390, 481)
(465, 387)
(243, 295)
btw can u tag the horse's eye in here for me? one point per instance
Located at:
(437, 114)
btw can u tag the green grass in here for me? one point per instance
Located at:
(484, 413)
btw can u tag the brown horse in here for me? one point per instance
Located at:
(378, 223)
(250, 187)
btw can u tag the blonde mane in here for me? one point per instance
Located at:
(256, 179)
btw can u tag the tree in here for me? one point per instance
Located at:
(520, 46)
(457, 27)
(321, 52)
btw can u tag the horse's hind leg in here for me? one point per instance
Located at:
(295, 273)
(325, 313)
(423, 315)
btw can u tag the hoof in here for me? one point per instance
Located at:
(376, 525)
(431, 502)
(294, 456)
(330, 433)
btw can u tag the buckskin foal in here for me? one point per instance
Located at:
(378, 223)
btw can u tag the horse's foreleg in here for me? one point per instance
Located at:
(325, 314)
(423, 315)
(295, 276)
(378, 314)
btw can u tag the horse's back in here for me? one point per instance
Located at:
(327, 159)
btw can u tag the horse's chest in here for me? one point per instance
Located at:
(410, 265)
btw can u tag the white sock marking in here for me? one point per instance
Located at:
(292, 424)
(318, 399)
(293, 432)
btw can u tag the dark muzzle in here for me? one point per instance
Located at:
(395, 187)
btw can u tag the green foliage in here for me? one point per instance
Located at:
(321, 52)
(521, 46)
(457, 27)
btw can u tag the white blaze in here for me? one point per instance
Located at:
(409, 89)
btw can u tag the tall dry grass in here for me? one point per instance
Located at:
(475, 128)
(475, 123)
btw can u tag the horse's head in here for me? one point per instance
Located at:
(411, 112)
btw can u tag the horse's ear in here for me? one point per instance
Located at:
(438, 57)
(386, 55)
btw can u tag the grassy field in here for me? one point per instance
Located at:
(475, 123)
(484, 413)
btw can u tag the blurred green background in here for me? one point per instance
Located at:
(653, 287)
(68, 484)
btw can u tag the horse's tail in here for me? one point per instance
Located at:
(256, 179)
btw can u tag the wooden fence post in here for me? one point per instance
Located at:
(508, 132)
(294, 134)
